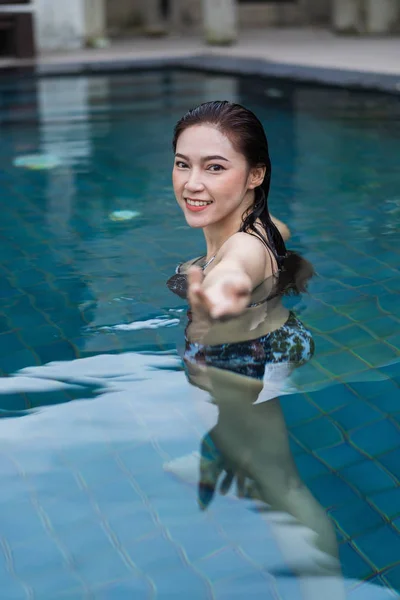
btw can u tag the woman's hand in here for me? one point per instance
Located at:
(222, 297)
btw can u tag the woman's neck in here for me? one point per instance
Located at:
(218, 233)
(216, 236)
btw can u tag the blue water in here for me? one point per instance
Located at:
(98, 495)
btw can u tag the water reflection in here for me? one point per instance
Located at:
(244, 363)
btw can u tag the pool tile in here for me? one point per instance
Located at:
(333, 397)
(367, 477)
(389, 401)
(383, 327)
(223, 565)
(297, 409)
(56, 351)
(391, 461)
(364, 310)
(380, 388)
(20, 521)
(156, 554)
(182, 583)
(328, 324)
(396, 524)
(7, 290)
(5, 324)
(317, 434)
(356, 517)
(254, 585)
(39, 336)
(41, 565)
(340, 456)
(394, 340)
(353, 565)
(388, 502)
(374, 589)
(332, 491)
(14, 402)
(390, 303)
(393, 284)
(340, 297)
(382, 546)
(351, 336)
(376, 438)
(309, 376)
(10, 343)
(355, 281)
(28, 277)
(341, 363)
(17, 361)
(130, 523)
(310, 467)
(136, 588)
(208, 538)
(354, 415)
(393, 577)
(323, 344)
(376, 353)
(295, 447)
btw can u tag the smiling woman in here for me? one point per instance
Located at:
(242, 343)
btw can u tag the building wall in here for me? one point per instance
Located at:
(187, 14)
(59, 25)
(269, 14)
(124, 14)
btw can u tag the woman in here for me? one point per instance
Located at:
(241, 342)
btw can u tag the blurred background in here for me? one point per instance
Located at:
(35, 26)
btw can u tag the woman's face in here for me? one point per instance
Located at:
(212, 181)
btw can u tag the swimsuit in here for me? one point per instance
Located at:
(290, 345)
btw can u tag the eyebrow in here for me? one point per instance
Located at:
(205, 158)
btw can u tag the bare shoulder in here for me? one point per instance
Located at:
(244, 242)
(250, 253)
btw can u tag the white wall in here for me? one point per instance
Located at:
(59, 24)
(366, 16)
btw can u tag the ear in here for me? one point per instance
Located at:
(256, 177)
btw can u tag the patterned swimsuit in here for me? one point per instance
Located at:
(291, 344)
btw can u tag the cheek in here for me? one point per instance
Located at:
(232, 185)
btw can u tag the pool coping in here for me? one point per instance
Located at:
(314, 75)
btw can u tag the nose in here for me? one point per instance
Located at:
(193, 183)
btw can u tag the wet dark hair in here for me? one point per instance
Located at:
(247, 135)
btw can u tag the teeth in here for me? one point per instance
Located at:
(197, 203)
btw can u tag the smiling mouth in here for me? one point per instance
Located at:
(197, 203)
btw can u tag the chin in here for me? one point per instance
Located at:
(195, 225)
(196, 221)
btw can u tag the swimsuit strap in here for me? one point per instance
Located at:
(204, 267)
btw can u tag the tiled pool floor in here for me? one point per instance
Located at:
(93, 502)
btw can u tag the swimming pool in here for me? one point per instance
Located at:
(98, 499)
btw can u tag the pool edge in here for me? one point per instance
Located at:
(332, 77)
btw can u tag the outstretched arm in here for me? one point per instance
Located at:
(226, 290)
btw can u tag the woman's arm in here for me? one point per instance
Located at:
(226, 290)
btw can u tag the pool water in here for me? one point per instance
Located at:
(99, 427)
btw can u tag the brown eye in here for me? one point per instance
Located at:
(215, 168)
